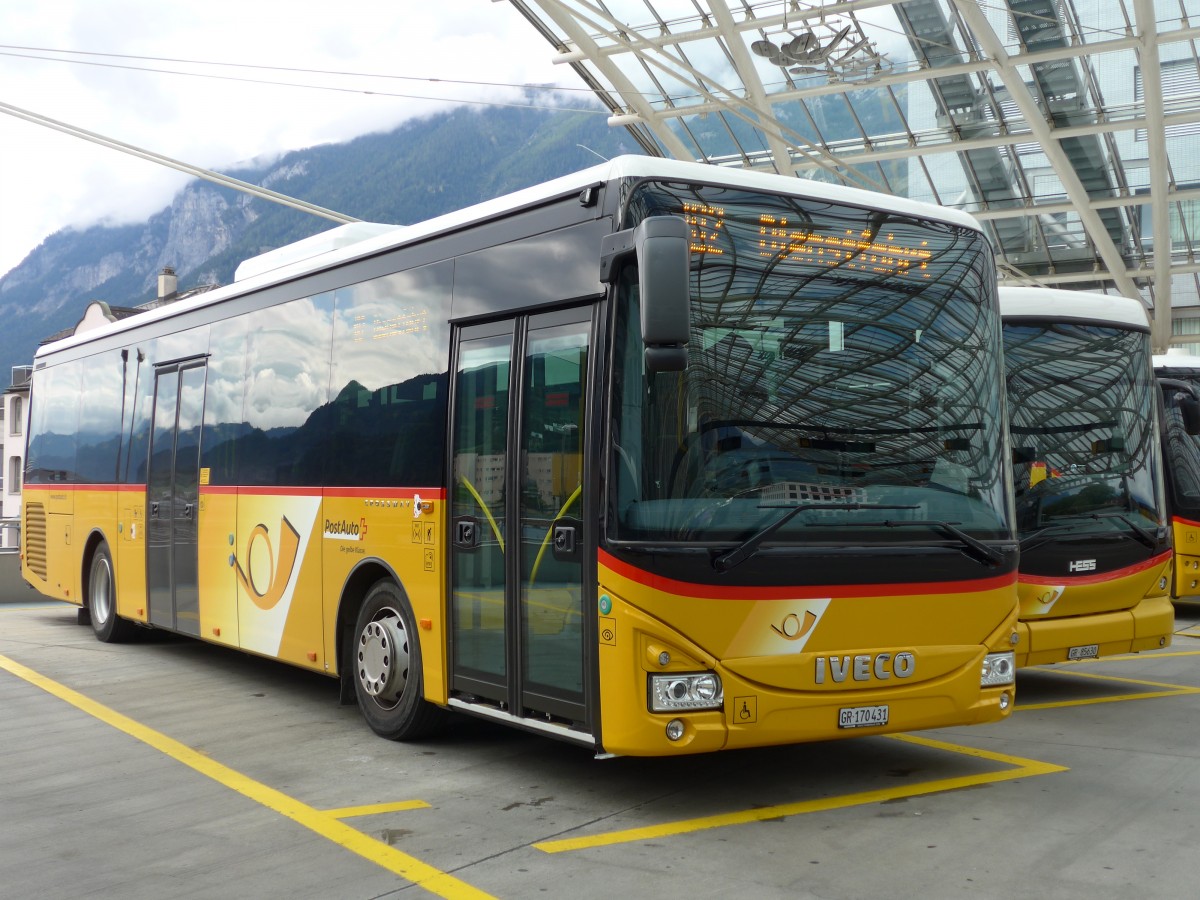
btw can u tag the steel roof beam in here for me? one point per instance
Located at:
(1156, 144)
(910, 76)
(1044, 134)
(1045, 209)
(685, 74)
(749, 23)
(1101, 275)
(879, 151)
(755, 92)
(633, 99)
(829, 10)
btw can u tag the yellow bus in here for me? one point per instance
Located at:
(657, 458)
(1087, 475)
(1178, 374)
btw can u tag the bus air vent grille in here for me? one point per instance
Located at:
(35, 538)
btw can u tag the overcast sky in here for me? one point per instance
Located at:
(221, 115)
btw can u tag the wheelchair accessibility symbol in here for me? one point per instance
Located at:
(743, 711)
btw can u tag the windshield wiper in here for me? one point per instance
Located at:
(974, 547)
(739, 554)
(1036, 538)
(1140, 533)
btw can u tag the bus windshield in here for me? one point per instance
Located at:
(1081, 407)
(1181, 449)
(842, 382)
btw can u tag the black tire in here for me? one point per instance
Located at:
(385, 663)
(102, 600)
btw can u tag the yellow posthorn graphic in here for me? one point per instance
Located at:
(791, 629)
(289, 544)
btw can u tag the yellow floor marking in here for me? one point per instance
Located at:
(1165, 690)
(374, 809)
(1023, 768)
(408, 867)
(1138, 681)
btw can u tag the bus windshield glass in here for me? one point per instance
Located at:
(1081, 407)
(842, 383)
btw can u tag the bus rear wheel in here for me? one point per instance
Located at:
(386, 659)
(102, 600)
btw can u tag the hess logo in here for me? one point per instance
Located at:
(1081, 565)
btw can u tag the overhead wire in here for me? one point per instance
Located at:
(187, 168)
(225, 180)
(302, 70)
(8, 50)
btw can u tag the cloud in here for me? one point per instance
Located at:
(220, 116)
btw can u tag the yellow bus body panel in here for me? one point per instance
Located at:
(1119, 612)
(272, 565)
(404, 528)
(216, 575)
(768, 662)
(52, 508)
(128, 546)
(1187, 559)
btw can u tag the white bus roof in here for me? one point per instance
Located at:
(1047, 303)
(1176, 358)
(329, 249)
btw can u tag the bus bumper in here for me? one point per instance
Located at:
(1147, 626)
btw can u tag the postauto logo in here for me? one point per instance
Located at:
(345, 530)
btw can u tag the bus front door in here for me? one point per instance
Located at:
(173, 497)
(517, 534)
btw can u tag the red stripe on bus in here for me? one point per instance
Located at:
(790, 592)
(103, 488)
(388, 493)
(1180, 520)
(1099, 577)
(427, 493)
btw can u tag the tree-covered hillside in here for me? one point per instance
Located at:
(422, 169)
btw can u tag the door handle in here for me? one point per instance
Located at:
(566, 541)
(466, 533)
(187, 510)
(154, 509)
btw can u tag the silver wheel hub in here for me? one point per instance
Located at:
(383, 657)
(101, 599)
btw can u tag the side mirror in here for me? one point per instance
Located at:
(1189, 410)
(660, 244)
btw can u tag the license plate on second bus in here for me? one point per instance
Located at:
(1088, 651)
(862, 716)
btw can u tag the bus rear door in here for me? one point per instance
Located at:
(172, 496)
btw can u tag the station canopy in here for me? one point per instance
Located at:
(1069, 128)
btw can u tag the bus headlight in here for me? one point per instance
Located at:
(680, 691)
(998, 668)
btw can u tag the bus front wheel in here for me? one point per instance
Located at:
(387, 667)
(102, 600)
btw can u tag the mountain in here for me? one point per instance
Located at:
(422, 169)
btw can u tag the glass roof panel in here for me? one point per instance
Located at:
(1070, 128)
